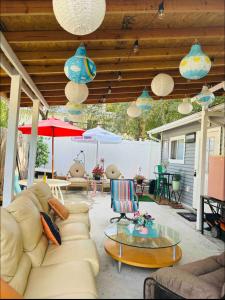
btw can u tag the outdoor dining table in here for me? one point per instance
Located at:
(55, 185)
(169, 176)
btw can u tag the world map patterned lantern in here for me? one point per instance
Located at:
(144, 101)
(205, 98)
(196, 64)
(74, 109)
(80, 68)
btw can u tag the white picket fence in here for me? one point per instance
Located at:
(129, 156)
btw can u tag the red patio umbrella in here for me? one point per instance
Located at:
(53, 128)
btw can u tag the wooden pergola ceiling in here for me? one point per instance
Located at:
(43, 46)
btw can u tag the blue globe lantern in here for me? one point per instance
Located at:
(143, 102)
(205, 98)
(74, 109)
(196, 64)
(80, 68)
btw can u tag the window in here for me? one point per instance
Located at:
(177, 150)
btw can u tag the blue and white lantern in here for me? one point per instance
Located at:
(80, 68)
(205, 98)
(143, 102)
(196, 64)
(74, 109)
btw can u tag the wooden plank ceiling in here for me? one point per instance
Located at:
(43, 46)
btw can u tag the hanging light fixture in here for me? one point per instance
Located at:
(161, 11)
(119, 78)
(185, 107)
(133, 111)
(144, 101)
(196, 64)
(74, 109)
(162, 85)
(80, 68)
(109, 90)
(79, 17)
(76, 93)
(136, 47)
(205, 98)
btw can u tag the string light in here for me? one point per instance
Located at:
(161, 11)
(109, 90)
(136, 47)
(119, 76)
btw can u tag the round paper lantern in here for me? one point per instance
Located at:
(144, 101)
(162, 85)
(74, 109)
(80, 68)
(133, 111)
(205, 98)
(185, 107)
(76, 93)
(79, 17)
(196, 64)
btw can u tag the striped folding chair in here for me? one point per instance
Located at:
(123, 198)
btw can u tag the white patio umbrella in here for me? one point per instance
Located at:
(99, 136)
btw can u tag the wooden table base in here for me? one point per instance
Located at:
(144, 258)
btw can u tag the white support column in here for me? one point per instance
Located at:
(11, 143)
(33, 142)
(202, 163)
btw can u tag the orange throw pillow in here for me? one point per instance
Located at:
(50, 229)
(59, 208)
(7, 292)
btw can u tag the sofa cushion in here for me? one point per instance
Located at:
(74, 231)
(216, 278)
(75, 207)
(75, 218)
(221, 259)
(11, 246)
(50, 229)
(43, 192)
(78, 180)
(59, 208)
(79, 250)
(7, 292)
(73, 280)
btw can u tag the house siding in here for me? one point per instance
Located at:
(187, 169)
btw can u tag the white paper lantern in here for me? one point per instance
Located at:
(76, 93)
(162, 85)
(185, 107)
(133, 111)
(79, 17)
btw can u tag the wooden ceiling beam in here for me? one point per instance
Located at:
(114, 67)
(110, 35)
(160, 53)
(44, 7)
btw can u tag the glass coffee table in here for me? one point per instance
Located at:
(154, 247)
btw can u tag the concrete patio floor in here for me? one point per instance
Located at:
(129, 283)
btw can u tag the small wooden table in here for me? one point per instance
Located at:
(55, 185)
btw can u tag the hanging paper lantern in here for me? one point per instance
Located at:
(79, 17)
(133, 111)
(196, 64)
(185, 107)
(74, 109)
(80, 68)
(144, 101)
(162, 85)
(76, 93)
(205, 98)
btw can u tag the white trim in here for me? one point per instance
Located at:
(186, 120)
(176, 138)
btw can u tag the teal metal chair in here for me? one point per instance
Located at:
(17, 188)
(161, 187)
(123, 198)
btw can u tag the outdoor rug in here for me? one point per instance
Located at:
(145, 198)
(191, 217)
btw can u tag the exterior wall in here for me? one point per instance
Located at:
(187, 169)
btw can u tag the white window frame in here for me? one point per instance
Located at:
(176, 138)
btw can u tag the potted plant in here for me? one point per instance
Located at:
(176, 182)
(139, 179)
(98, 172)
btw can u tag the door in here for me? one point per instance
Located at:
(212, 148)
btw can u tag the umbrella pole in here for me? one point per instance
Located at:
(52, 157)
(97, 152)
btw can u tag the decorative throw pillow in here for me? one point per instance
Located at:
(50, 229)
(59, 208)
(7, 292)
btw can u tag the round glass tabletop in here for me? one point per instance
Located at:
(153, 237)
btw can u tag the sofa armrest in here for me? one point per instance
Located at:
(77, 207)
(185, 284)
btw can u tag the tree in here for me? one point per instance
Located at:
(3, 113)
(42, 153)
